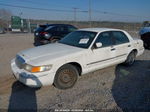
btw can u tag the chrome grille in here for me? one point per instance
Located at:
(19, 62)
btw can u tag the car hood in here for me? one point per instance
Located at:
(50, 51)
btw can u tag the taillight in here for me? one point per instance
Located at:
(42, 33)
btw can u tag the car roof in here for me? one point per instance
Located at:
(99, 29)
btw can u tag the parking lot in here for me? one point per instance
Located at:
(113, 88)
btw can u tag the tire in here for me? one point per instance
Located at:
(37, 41)
(66, 77)
(145, 45)
(130, 59)
(54, 40)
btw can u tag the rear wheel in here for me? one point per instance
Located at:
(130, 59)
(54, 40)
(37, 41)
(66, 77)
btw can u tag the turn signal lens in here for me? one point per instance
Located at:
(34, 69)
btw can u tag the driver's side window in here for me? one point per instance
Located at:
(105, 39)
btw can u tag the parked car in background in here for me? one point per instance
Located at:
(2, 30)
(145, 34)
(78, 53)
(50, 33)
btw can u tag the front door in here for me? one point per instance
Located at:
(101, 57)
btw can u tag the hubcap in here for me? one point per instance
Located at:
(66, 76)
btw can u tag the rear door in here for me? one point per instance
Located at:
(121, 45)
(60, 31)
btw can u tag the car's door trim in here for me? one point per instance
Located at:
(106, 59)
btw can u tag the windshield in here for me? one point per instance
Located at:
(81, 39)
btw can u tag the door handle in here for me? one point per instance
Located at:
(113, 49)
(129, 45)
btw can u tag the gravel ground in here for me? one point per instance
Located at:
(116, 88)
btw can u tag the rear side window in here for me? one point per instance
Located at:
(119, 37)
(59, 28)
(105, 39)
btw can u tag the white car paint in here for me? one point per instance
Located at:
(58, 54)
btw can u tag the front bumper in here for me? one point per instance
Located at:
(32, 79)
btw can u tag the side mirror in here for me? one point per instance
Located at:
(98, 44)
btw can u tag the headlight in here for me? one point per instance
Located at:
(31, 68)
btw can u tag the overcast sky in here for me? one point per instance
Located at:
(102, 10)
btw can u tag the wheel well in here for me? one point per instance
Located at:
(135, 51)
(78, 66)
(56, 37)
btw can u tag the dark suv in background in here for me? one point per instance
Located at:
(145, 34)
(50, 33)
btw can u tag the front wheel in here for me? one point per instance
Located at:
(130, 59)
(66, 77)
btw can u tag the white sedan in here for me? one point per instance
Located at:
(80, 52)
